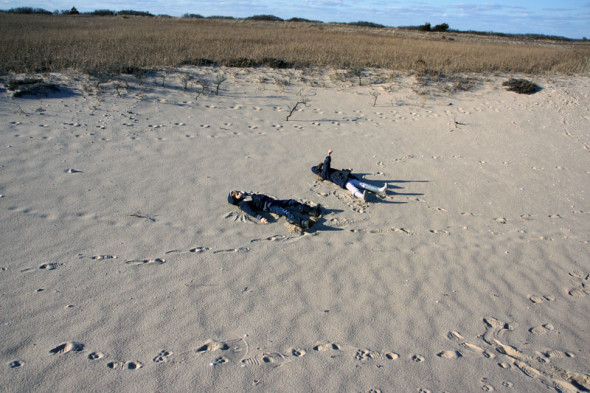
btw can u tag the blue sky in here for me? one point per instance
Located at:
(568, 18)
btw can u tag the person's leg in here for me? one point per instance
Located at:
(278, 207)
(361, 184)
(351, 186)
(301, 207)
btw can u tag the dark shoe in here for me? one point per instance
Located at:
(316, 211)
(305, 224)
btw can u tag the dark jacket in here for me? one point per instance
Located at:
(252, 203)
(338, 177)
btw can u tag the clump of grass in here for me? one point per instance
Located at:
(521, 86)
(32, 87)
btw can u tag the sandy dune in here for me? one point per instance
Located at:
(123, 267)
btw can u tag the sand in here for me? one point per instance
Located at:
(123, 268)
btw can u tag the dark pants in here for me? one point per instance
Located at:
(279, 206)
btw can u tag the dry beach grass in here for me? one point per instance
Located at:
(32, 43)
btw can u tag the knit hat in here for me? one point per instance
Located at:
(230, 199)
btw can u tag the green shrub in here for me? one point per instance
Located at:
(424, 27)
(270, 18)
(441, 27)
(103, 13)
(29, 10)
(367, 24)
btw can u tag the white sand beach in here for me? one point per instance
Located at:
(124, 269)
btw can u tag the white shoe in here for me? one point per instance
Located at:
(383, 190)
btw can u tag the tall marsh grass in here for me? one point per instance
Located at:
(37, 43)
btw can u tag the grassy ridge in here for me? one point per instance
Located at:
(34, 43)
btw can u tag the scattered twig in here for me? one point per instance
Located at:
(186, 78)
(375, 95)
(138, 214)
(292, 109)
(218, 81)
(117, 88)
(203, 85)
(164, 75)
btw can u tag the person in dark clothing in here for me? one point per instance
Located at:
(345, 179)
(252, 203)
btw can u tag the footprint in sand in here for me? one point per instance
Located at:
(273, 238)
(495, 329)
(365, 354)
(540, 299)
(67, 347)
(219, 360)
(232, 350)
(542, 329)
(50, 266)
(156, 261)
(580, 274)
(534, 367)
(16, 364)
(449, 354)
(454, 336)
(232, 250)
(402, 231)
(582, 288)
(99, 257)
(95, 356)
(578, 292)
(196, 250)
(322, 347)
(163, 356)
(475, 349)
(554, 354)
(297, 352)
(486, 387)
(119, 365)
(275, 358)
(418, 358)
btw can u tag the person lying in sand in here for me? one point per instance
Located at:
(252, 204)
(345, 179)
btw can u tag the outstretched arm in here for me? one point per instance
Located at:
(326, 167)
(246, 208)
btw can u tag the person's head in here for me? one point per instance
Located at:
(320, 168)
(235, 197)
